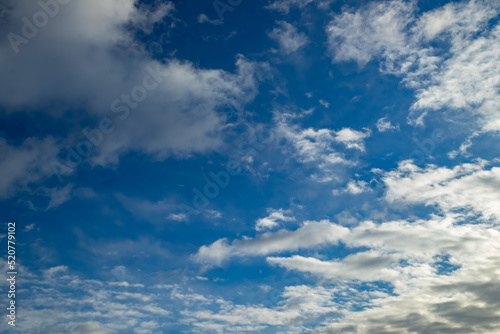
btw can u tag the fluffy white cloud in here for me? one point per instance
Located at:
(384, 125)
(449, 55)
(289, 38)
(427, 297)
(412, 256)
(467, 81)
(352, 138)
(320, 147)
(353, 187)
(443, 271)
(157, 108)
(323, 150)
(364, 266)
(374, 30)
(309, 235)
(467, 186)
(273, 218)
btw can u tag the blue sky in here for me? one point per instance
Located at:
(234, 166)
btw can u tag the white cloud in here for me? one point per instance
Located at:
(319, 149)
(93, 306)
(317, 145)
(309, 235)
(421, 292)
(288, 37)
(59, 195)
(51, 272)
(273, 218)
(375, 29)
(284, 6)
(29, 227)
(324, 103)
(73, 61)
(467, 81)
(26, 163)
(179, 217)
(301, 303)
(202, 18)
(160, 211)
(147, 17)
(352, 138)
(384, 124)
(354, 188)
(467, 186)
(406, 254)
(442, 53)
(364, 266)
(443, 270)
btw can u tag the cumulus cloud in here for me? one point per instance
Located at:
(157, 108)
(426, 298)
(443, 269)
(409, 255)
(352, 138)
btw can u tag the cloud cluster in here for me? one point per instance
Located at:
(449, 55)
(84, 67)
(468, 186)
(442, 270)
(320, 147)
(438, 268)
